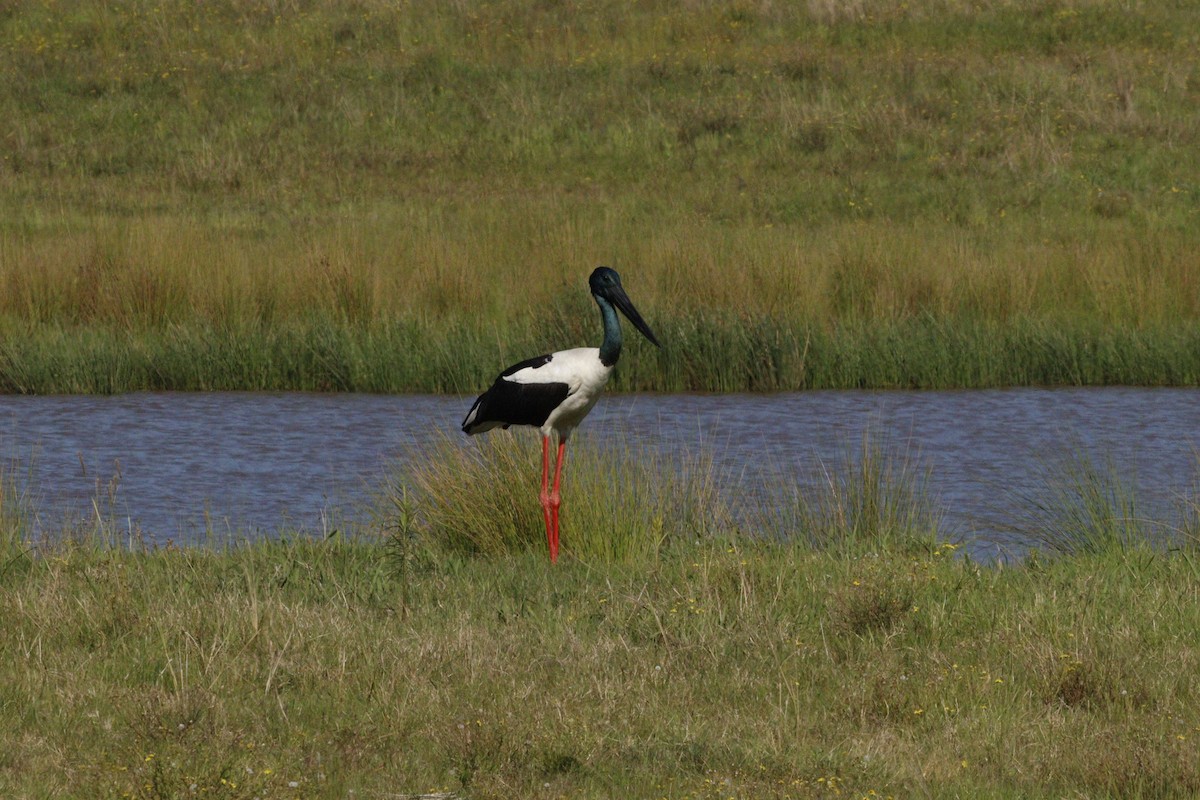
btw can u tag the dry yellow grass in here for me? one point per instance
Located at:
(398, 263)
(820, 165)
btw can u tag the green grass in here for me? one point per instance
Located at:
(1084, 505)
(872, 498)
(717, 352)
(671, 652)
(767, 178)
(303, 669)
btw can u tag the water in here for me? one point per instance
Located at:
(172, 466)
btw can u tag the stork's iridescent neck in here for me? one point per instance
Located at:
(606, 288)
(610, 348)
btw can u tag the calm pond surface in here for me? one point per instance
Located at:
(170, 466)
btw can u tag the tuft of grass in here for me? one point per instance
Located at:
(1085, 506)
(878, 605)
(875, 498)
(16, 523)
(618, 505)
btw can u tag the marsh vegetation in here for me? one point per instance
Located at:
(373, 197)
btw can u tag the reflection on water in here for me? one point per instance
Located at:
(245, 462)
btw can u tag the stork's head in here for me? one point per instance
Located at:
(606, 284)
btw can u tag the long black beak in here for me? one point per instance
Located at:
(621, 300)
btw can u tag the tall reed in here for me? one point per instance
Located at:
(704, 351)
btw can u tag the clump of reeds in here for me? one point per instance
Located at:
(1083, 507)
(874, 498)
(620, 503)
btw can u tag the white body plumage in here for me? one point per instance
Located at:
(560, 389)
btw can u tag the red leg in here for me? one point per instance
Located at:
(544, 498)
(556, 498)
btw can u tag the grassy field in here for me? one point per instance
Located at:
(673, 653)
(391, 197)
(701, 662)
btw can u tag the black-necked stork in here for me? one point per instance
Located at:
(555, 392)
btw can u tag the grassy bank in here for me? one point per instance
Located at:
(191, 173)
(715, 670)
(840, 651)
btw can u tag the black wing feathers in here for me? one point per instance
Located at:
(511, 403)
